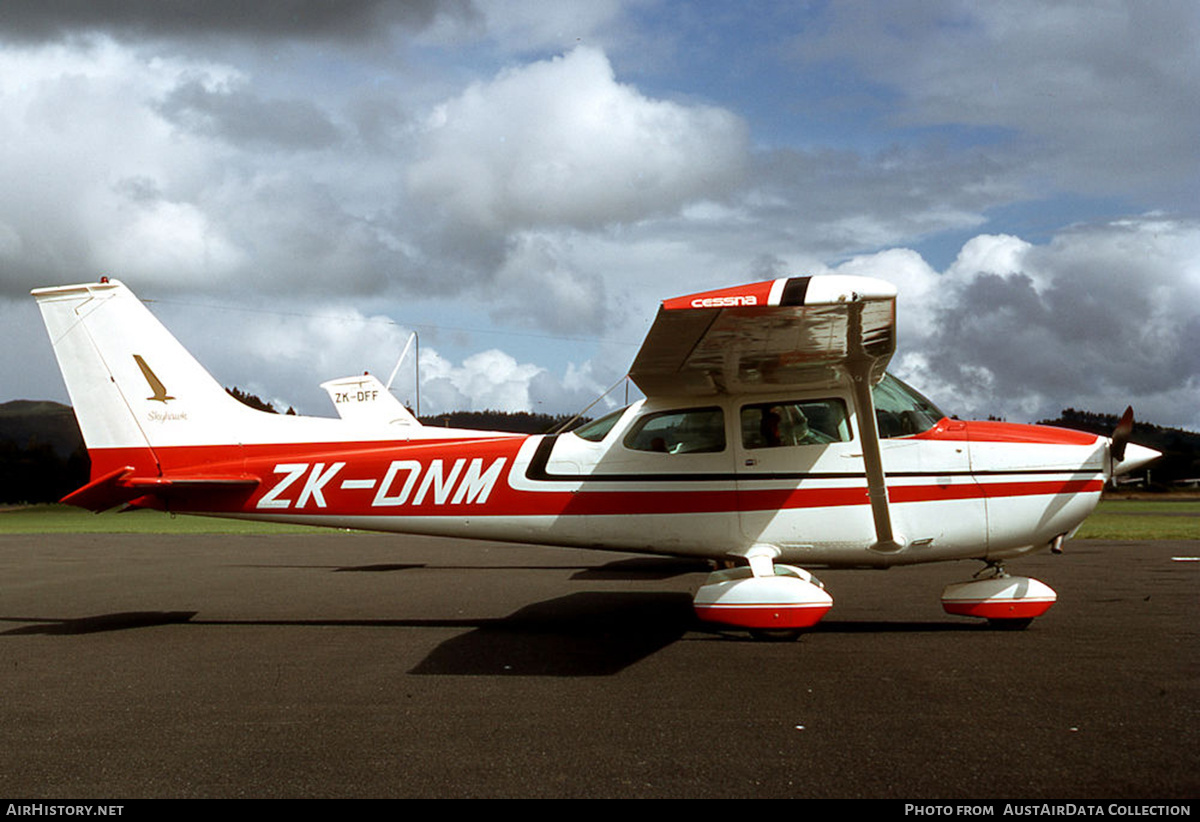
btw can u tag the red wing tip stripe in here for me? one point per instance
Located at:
(781, 292)
(790, 291)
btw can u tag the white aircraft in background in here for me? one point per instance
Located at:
(771, 440)
(366, 401)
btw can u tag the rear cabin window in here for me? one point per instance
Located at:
(692, 431)
(794, 422)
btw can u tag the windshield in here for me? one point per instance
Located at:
(900, 411)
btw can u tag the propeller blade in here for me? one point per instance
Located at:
(1120, 436)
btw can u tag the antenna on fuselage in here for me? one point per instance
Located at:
(413, 340)
(625, 379)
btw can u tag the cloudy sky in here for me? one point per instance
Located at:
(297, 185)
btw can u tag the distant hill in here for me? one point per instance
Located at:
(34, 422)
(41, 452)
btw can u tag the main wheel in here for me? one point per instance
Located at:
(1010, 624)
(776, 634)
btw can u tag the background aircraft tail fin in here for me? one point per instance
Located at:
(365, 399)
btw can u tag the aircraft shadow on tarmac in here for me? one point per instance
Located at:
(597, 633)
(587, 633)
(634, 568)
(582, 634)
(644, 568)
(100, 623)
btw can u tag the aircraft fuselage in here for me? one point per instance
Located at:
(958, 490)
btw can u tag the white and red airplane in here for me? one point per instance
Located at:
(771, 440)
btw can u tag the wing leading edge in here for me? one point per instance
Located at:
(801, 332)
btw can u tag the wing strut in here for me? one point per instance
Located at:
(861, 366)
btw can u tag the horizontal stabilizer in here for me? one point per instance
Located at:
(103, 492)
(119, 487)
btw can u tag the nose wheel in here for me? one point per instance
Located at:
(1008, 603)
(1010, 624)
(776, 634)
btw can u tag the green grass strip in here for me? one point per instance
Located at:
(1143, 520)
(1114, 519)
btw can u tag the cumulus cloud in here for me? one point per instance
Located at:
(241, 117)
(994, 254)
(1102, 316)
(163, 240)
(540, 286)
(282, 351)
(1092, 95)
(172, 170)
(303, 238)
(488, 380)
(560, 142)
(83, 159)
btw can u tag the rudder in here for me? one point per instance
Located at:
(134, 387)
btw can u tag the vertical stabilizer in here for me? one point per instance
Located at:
(133, 385)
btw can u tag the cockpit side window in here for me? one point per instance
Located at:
(596, 430)
(690, 431)
(794, 422)
(900, 411)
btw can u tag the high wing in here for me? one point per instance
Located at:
(802, 332)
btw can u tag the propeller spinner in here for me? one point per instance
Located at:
(1126, 456)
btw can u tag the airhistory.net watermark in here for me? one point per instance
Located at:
(49, 809)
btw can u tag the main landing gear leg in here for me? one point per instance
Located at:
(774, 602)
(1008, 603)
